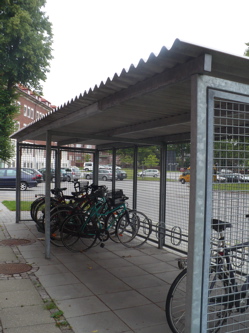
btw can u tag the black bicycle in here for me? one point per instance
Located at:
(228, 292)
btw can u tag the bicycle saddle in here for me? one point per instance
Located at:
(57, 190)
(219, 225)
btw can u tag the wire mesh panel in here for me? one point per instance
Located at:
(228, 289)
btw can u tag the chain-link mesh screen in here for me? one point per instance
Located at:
(228, 280)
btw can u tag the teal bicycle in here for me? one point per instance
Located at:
(108, 218)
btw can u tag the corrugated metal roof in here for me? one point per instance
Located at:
(148, 103)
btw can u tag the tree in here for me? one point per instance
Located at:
(247, 50)
(151, 161)
(25, 52)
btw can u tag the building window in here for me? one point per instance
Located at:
(28, 112)
(32, 113)
(25, 110)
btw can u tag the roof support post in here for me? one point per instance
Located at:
(162, 198)
(18, 181)
(47, 195)
(114, 155)
(134, 199)
(96, 168)
(57, 152)
(197, 207)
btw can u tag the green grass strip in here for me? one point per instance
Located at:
(11, 205)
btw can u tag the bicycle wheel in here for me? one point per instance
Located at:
(39, 211)
(111, 226)
(76, 234)
(176, 304)
(133, 228)
(57, 217)
(33, 207)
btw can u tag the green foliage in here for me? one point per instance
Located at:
(151, 161)
(50, 306)
(8, 110)
(126, 155)
(25, 43)
(25, 52)
(87, 157)
(11, 205)
(247, 50)
(230, 152)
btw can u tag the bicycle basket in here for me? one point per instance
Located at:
(83, 185)
(116, 197)
(99, 193)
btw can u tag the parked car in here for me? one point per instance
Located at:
(43, 171)
(104, 174)
(220, 178)
(8, 179)
(35, 173)
(233, 178)
(121, 174)
(88, 166)
(71, 173)
(185, 176)
(109, 166)
(149, 173)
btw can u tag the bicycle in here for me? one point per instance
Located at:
(107, 218)
(228, 295)
(37, 209)
(61, 211)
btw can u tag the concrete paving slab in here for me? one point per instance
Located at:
(102, 283)
(15, 285)
(125, 299)
(43, 328)
(143, 281)
(142, 316)
(58, 279)
(7, 254)
(68, 291)
(81, 306)
(25, 316)
(104, 322)
(19, 298)
(48, 270)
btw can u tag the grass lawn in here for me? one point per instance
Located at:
(231, 186)
(11, 205)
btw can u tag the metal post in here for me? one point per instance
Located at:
(57, 152)
(96, 167)
(162, 198)
(114, 154)
(47, 195)
(197, 204)
(18, 180)
(134, 199)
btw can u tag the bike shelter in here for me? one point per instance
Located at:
(190, 94)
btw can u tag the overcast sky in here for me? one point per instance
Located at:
(94, 39)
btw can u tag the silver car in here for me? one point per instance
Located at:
(149, 173)
(71, 173)
(104, 174)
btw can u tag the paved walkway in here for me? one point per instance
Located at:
(112, 289)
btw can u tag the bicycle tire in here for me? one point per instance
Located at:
(218, 311)
(39, 211)
(57, 217)
(76, 234)
(133, 228)
(33, 207)
(111, 226)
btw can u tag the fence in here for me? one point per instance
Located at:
(142, 189)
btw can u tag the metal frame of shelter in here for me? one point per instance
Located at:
(169, 98)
